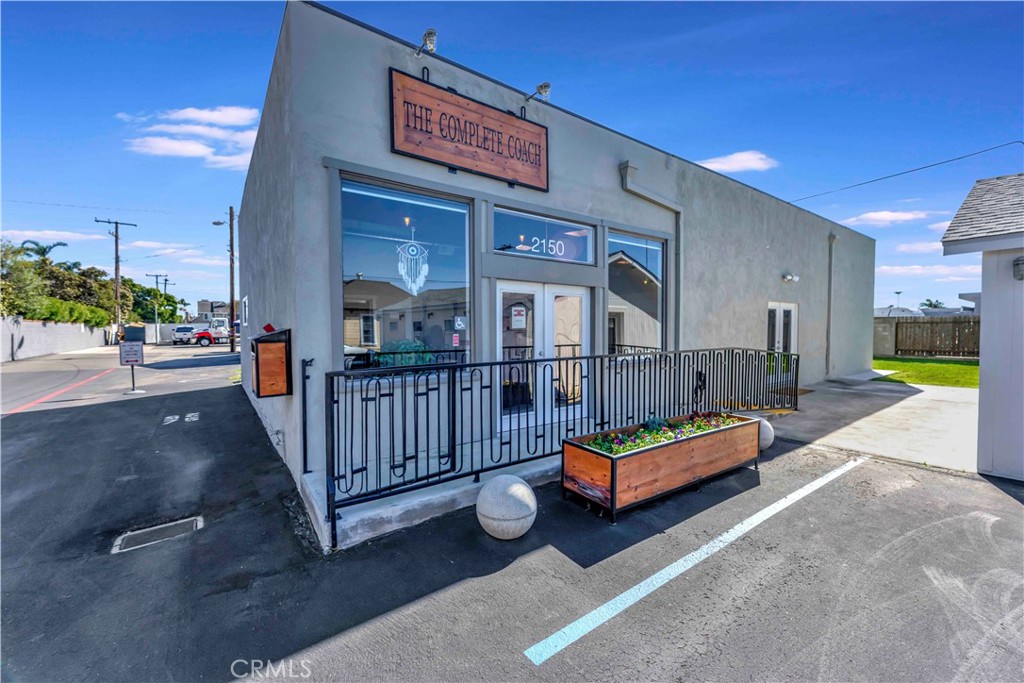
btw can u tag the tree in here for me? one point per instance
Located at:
(143, 299)
(932, 303)
(21, 288)
(41, 250)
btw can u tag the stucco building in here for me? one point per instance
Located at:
(403, 209)
(991, 221)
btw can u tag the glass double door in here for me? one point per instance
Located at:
(542, 328)
(782, 338)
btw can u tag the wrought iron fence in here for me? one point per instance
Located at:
(397, 429)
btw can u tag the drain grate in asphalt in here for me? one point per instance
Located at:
(155, 534)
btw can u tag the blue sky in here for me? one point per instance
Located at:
(148, 110)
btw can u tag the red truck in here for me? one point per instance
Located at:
(215, 335)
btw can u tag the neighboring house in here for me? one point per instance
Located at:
(207, 310)
(940, 312)
(974, 298)
(991, 221)
(897, 312)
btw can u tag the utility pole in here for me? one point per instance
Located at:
(156, 310)
(117, 264)
(165, 293)
(231, 271)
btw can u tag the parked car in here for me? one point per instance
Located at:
(211, 336)
(182, 334)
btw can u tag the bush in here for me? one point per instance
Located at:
(60, 311)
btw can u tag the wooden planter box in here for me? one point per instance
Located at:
(619, 482)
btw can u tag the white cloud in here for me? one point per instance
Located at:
(132, 118)
(199, 275)
(920, 248)
(205, 261)
(177, 253)
(205, 134)
(885, 218)
(930, 271)
(218, 116)
(751, 160)
(242, 138)
(170, 147)
(941, 225)
(146, 244)
(233, 162)
(957, 278)
(51, 235)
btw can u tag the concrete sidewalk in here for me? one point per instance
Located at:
(922, 424)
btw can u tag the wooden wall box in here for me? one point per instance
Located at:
(619, 482)
(272, 364)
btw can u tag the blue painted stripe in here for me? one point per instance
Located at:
(557, 642)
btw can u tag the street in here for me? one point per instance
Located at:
(884, 572)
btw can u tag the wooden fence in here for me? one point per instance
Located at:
(953, 335)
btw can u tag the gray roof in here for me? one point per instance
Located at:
(994, 207)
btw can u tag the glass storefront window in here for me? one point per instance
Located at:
(521, 234)
(636, 300)
(406, 278)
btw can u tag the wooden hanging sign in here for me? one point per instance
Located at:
(443, 127)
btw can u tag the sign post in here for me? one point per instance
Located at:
(132, 355)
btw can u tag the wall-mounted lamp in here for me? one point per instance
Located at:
(789, 277)
(429, 42)
(543, 92)
(1018, 268)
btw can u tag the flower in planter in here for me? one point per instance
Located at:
(658, 430)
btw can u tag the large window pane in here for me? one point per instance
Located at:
(521, 234)
(406, 278)
(635, 294)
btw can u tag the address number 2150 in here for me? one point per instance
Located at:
(549, 247)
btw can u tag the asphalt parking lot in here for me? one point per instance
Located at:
(886, 572)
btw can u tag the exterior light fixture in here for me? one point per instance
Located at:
(1018, 268)
(429, 42)
(789, 277)
(543, 92)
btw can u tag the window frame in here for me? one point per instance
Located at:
(384, 185)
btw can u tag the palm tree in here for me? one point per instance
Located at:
(932, 303)
(41, 250)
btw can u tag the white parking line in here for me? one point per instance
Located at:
(560, 640)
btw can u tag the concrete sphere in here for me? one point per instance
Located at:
(766, 436)
(506, 507)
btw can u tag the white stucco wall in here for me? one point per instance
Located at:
(267, 255)
(329, 98)
(1001, 402)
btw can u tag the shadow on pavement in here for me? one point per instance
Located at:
(1014, 489)
(246, 585)
(201, 360)
(832, 406)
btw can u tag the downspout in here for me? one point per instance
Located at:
(629, 184)
(832, 237)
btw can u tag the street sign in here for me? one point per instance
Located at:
(131, 353)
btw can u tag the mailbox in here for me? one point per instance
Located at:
(272, 364)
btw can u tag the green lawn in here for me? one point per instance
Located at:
(942, 372)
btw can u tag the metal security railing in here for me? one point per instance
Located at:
(396, 429)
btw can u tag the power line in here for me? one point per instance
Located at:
(913, 170)
(78, 206)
